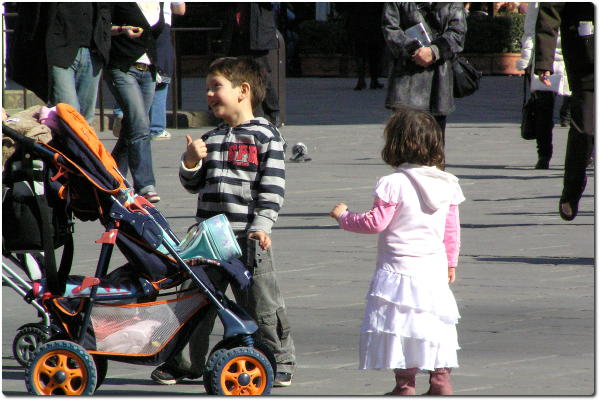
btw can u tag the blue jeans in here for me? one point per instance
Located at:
(134, 91)
(76, 85)
(158, 111)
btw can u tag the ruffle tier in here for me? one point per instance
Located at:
(409, 322)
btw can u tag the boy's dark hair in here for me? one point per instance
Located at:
(412, 136)
(239, 70)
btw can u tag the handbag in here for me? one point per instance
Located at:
(466, 77)
(528, 113)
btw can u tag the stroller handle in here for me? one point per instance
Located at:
(29, 144)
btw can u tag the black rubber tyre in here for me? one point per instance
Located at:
(209, 368)
(27, 341)
(268, 352)
(242, 371)
(101, 368)
(61, 368)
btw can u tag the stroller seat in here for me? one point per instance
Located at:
(78, 286)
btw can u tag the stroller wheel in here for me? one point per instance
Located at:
(242, 371)
(61, 368)
(27, 341)
(210, 367)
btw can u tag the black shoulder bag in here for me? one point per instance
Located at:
(465, 77)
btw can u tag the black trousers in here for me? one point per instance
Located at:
(580, 144)
(544, 122)
(441, 120)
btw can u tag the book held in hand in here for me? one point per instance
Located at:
(419, 33)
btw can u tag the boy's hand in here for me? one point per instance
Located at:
(338, 210)
(451, 275)
(196, 151)
(263, 239)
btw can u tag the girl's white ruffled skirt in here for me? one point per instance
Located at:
(410, 322)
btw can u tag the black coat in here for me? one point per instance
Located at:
(43, 37)
(261, 34)
(578, 51)
(431, 88)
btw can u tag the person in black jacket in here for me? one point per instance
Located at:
(250, 30)
(131, 78)
(576, 23)
(422, 73)
(59, 50)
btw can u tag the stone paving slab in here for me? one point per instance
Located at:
(525, 285)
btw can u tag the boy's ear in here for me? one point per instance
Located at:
(244, 90)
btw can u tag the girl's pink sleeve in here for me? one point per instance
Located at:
(371, 222)
(452, 236)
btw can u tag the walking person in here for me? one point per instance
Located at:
(411, 314)
(131, 78)
(576, 23)
(363, 25)
(421, 76)
(250, 31)
(544, 97)
(59, 51)
(164, 66)
(238, 169)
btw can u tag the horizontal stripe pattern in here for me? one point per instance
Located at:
(243, 175)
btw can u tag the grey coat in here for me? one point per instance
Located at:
(430, 88)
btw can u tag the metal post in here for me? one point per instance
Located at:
(101, 100)
(176, 89)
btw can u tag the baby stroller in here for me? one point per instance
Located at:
(133, 314)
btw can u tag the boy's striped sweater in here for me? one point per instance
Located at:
(243, 175)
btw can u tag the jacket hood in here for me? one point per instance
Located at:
(435, 187)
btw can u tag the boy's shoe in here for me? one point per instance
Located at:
(167, 375)
(282, 379)
(152, 197)
(161, 135)
(117, 123)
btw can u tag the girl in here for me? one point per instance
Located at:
(411, 315)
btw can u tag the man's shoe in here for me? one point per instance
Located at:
(151, 197)
(282, 379)
(166, 375)
(542, 164)
(161, 136)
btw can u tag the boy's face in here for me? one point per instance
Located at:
(223, 99)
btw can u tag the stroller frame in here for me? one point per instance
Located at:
(237, 350)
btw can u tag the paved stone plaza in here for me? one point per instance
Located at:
(525, 280)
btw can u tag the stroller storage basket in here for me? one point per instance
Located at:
(141, 329)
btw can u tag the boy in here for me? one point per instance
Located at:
(238, 169)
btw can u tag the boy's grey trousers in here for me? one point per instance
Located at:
(263, 301)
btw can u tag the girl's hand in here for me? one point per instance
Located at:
(338, 210)
(263, 239)
(195, 151)
(451, 275)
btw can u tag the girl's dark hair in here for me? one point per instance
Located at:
(412, 136)
(239, 70)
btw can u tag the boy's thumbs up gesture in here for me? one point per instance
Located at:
(195, 151)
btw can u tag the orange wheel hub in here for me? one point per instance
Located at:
(60, 372)
(243, 375)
